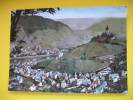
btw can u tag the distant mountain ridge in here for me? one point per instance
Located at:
(80, 23)
(90, 27)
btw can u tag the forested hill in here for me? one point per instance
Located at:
(47, 32)
(34, 23)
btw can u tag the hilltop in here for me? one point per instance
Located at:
(116, 25)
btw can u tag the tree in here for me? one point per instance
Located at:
(16, 14)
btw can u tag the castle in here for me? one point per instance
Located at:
(105, 37)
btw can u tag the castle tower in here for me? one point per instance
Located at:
(107, 30)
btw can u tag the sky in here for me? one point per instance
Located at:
(87, 12)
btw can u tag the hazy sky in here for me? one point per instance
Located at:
(87, 12)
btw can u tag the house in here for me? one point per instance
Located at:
(53, 82)
(105, 71)
(63, 84)
(20, 79)
(40, 84)
(84, 90)
(87, 75)
(114, 77)
(79, 82)
(33, 87)
(101, 88)
(86, 81)
(125, 91)
(124, 74)
(60, 54)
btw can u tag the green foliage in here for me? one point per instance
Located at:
(118, 87)
(71, 48)
(117, 67)
(89, 65)
(67, 66)
(33, 23)
(53, 65)
(85, 57)
(42, 64)
(117, 42)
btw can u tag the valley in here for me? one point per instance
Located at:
(69, 55)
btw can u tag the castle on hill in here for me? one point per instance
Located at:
(105, 37)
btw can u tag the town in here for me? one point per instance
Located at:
(55, 81)
(38, 50)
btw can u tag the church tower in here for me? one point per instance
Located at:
(107, 30)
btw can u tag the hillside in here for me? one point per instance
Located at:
(34, 23)
(82, 58)
(71, 65)
(46, 32)
(94, 49)
(116, 25)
